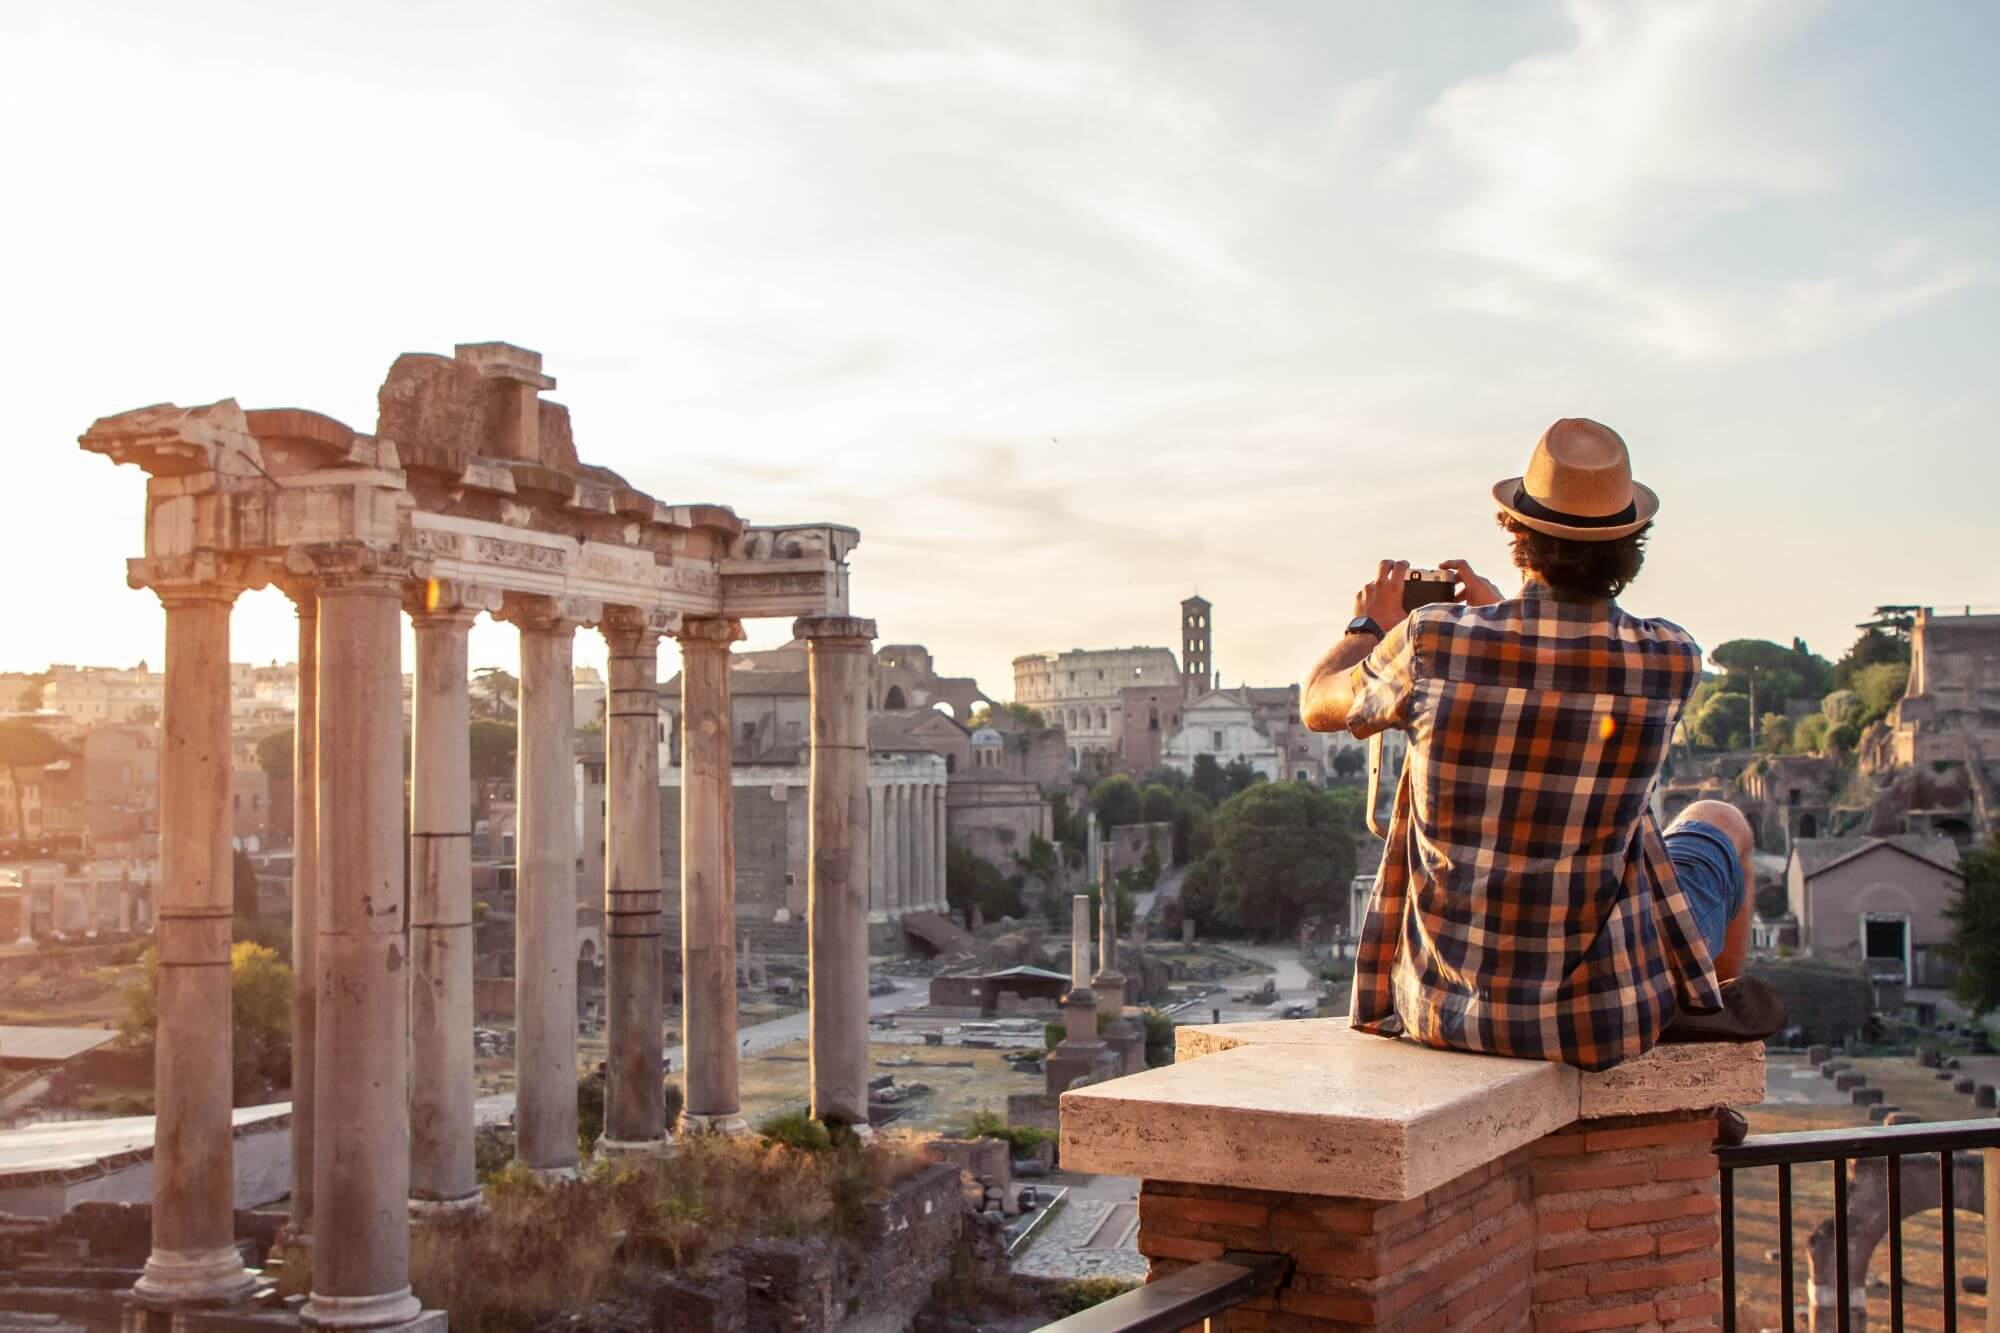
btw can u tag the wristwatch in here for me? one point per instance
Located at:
(1364, 625)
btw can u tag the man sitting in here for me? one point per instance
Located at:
(1528, 904)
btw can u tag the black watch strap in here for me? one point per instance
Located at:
(1364, 625)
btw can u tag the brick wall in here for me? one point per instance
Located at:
(1610, 1224)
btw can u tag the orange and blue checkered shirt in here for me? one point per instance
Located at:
(1525, 905)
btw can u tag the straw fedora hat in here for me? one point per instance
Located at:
(1579, 485)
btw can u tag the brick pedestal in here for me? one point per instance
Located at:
(1604, 1224)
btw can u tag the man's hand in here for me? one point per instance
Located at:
(1476, 591)
(1381, 599)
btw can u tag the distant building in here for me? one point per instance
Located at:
(1082, 691)
(89, 696)
(1223, 725)
(1877, 901)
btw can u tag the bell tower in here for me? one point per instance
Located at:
(1197, 637)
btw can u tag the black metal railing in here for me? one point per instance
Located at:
(1183, 1298)
(1916, 1161)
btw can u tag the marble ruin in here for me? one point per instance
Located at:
(469, 497)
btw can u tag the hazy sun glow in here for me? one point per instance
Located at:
(1072, 310)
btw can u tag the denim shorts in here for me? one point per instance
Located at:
(1711, 876)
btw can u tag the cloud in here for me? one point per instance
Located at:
(1597, 182)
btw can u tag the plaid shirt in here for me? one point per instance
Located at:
(1526, 905)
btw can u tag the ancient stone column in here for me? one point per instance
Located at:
(1109, 983)
(361, 1164)
(708, 882)
(545, 889)
(939, 900)
(837, 660)
(441, 947)
(1079, 945)
(927, 847)
(194, 1257)
(634, 1115)
(891, 797)
(910, 839)
(878, 878)
(305, 904)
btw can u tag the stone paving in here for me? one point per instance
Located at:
(1095, 1235)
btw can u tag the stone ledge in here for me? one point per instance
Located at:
(1312, 1107)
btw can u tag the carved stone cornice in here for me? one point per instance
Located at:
(449, 599)
(338, 566)
(551, 615)
(835, 629)
(710, 630)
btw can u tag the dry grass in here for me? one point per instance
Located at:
(1758, 1291)
(542, 1250)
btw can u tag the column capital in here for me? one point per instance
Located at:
(204, 576)
(332, 566)
(554, 615)
(627, 627)
(721, 630)
(449, 599)
(834, 629)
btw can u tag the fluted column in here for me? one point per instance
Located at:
(933, 868)
(361, 1164)
(941, 833)
(634, 1113)
(305, 903)
(194, 1257)
(442, 1176)
(545, 888)
(838, 660)
(708, 882)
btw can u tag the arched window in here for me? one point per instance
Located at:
(893, 701)
(1103, 720)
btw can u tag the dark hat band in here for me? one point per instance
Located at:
(1533, 508)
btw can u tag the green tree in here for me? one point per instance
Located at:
(1157, 804)
(1284, 854)
(1774, 733)
(1164, 776)
(1241, 775)
(1975, 930)
(1723, 723)
(1192, 816)
(1351, 762)
(260, 1004)
(972, 882)
(24, 746)
(1879, 687)
(494, 694)
(1772, 674)
(492, 745)
(1874, 647)
(1809, 736)
(1117, 801)
(274, 754)
(1206, 780)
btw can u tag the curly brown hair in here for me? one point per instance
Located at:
(1577, 571)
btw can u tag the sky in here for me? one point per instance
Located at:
(1072, 309)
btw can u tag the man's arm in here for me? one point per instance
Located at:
(1327, 701)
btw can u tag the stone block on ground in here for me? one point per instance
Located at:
(1867, 1096)
(1983, 1096)
(1818, 1055)
(1880, 1114)
(1848, 1079)
(1963, 1086)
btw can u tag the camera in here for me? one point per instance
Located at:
(1425, 586)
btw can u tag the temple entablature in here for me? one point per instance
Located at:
(471, 476)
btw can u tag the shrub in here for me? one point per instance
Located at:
(1022, 1139)
(797, 1130)
(1079, 1294)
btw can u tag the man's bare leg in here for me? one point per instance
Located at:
(1726, 817)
